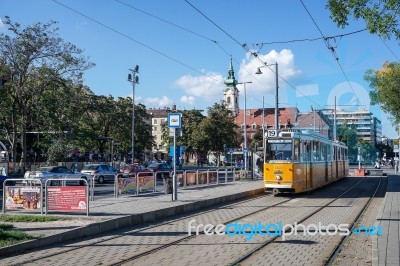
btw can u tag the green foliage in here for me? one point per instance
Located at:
(381, 16)
(18, 218)
(386, 88)
(57, 152)
(40, 69)
(9, 236)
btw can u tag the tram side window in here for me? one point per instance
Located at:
(296, 150)
(329, 152)
(316, 152)
(305, 151)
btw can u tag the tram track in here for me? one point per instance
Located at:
(242, 259)
(154, 250)
(165, 228)
(331, 259)
(99, 240)
(157, 249)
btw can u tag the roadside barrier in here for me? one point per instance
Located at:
(56, 194)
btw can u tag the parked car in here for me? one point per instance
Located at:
(3, 178)
(49, 172)
(159, 167)
(132, 169)
(101, 172)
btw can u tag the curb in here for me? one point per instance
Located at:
(125, 221)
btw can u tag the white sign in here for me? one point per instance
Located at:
(175, 120)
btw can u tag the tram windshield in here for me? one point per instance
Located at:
(278, 150)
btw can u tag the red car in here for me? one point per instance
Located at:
(132, 169)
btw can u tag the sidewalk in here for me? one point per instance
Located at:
(386, 248)
(115, 213)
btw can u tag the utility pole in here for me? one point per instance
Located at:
(134, 79)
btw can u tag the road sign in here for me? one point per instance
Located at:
(175, 120)
(231, 150)
(245, 150)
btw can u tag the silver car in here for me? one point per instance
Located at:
(100, 172)
(51, 172)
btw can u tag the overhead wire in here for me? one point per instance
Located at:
(134, 40)
(332, 49)
(255, 54)
(236, 41)
(390, 50)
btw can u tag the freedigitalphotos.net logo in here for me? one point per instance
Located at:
(279, 229)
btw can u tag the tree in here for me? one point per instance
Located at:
(381, 16)
(348, 135)
(34, 60)
(217, 129)
(386, 88)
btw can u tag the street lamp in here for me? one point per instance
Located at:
(245, 125)
(276, 90)
(134, 79)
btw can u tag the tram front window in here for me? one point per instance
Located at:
(279, 151)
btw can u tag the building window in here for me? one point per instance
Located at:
(155, 121)
(162, 121)
(154, 128)
(228, 100)
(254, 126)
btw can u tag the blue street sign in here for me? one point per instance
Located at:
(245, 150)
(231, 150)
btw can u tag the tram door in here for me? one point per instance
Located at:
(307, 164)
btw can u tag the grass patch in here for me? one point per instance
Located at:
(9, 236)
(31, 218)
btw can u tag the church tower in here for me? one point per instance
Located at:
(231, 93)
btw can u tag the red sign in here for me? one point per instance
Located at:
(67, 198)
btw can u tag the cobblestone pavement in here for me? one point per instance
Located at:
(116, 246)
(358, 249)
(386, 249)
(212, 250)
(222, 250)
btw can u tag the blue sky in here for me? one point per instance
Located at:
(184, 53)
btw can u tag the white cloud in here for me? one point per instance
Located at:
(265, 83)
(157, 102)
(209, 86)
(188, 99)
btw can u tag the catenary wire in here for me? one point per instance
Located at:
(332, 49)
(134, 40)
(244, 46)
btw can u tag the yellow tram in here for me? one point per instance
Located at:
(298, 161)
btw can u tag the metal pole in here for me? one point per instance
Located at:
(133, 117)
(334, 122)
(245, 129)
(245, 126)
(276, 97)
(133, 79)
(174, 184)
(263, 123)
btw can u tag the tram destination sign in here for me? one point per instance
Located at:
(279, 141)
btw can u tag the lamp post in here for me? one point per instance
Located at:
(134, 79)
(245, 125)
(276, 91)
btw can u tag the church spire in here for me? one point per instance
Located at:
(231, 93)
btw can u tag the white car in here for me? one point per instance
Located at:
(57, 172)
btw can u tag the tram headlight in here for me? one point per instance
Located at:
(278, 177)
